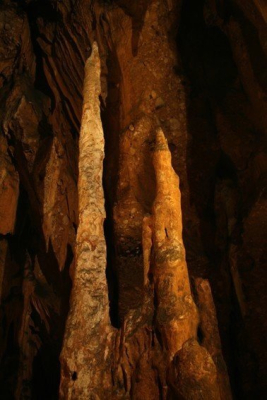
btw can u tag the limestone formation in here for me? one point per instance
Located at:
(176, 313)
(196, 375)
(100, 239)
(87, 341)
(177, 317)
(210, 334)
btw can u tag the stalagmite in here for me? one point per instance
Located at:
(85, 353)
(177, 317)
(210, 332)
(196, 375)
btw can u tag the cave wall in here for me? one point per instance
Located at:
(195, 68)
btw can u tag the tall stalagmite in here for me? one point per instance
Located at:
(176, 315)
(86, 346)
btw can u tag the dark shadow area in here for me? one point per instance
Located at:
(47, 290)
(49, 305)
(47, 11)
(208, 65)
(110, 115)
(46, 365)
(258, 57)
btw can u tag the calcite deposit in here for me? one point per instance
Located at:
(133, 199)
(86, 345)
(176, 313)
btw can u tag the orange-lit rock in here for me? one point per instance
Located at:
(176, 312)
(196, 375)
(86, 348)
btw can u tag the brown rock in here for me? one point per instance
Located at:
(195, 383)
(9, 191)
(211, 337)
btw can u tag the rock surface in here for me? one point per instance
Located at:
(99, 239)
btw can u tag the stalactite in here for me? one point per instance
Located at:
(86, 348)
